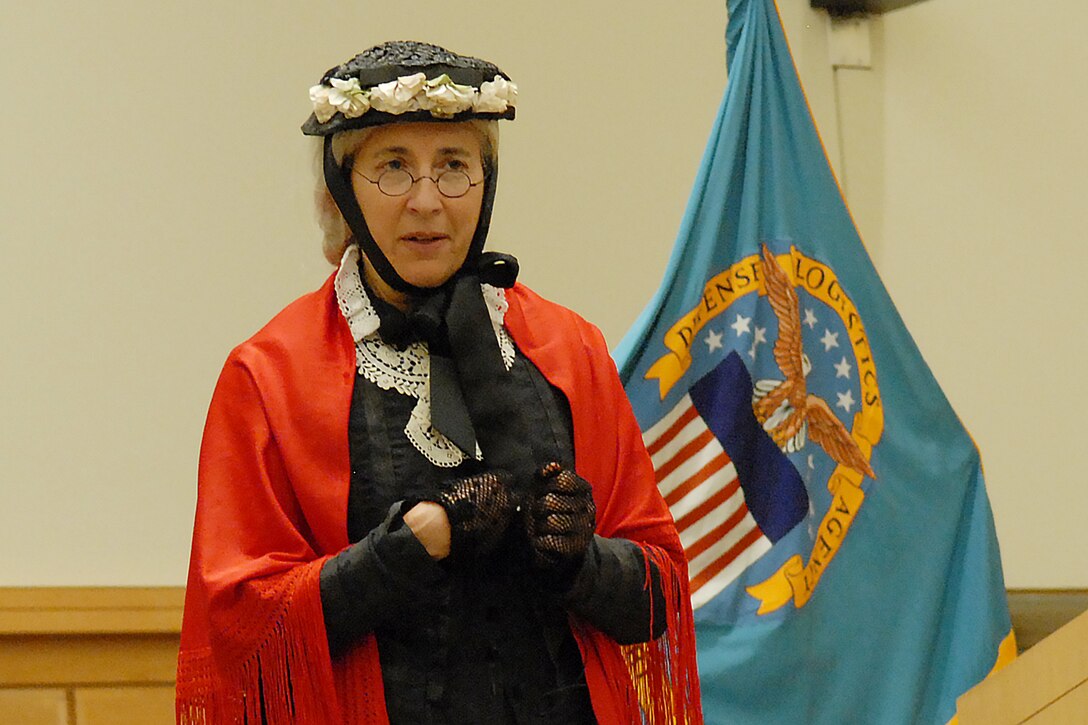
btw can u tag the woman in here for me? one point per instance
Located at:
(423, 497)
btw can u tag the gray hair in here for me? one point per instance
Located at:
(344, 147)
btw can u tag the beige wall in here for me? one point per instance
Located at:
(155, 195)
(965, 163)
(156, 211)
(983, 247)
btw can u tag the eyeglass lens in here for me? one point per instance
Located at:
(397, 182)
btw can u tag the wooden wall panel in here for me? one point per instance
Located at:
(79, 656)
(124, 706)
(33, 707)
(44, 660)
(91, 656)
(1038, 613)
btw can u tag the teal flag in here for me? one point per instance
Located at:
(842, 552)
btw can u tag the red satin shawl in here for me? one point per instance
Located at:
(272, 500)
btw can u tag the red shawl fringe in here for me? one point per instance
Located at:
(287, 673)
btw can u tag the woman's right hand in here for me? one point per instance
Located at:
(430, 524)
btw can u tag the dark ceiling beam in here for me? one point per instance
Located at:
(853, 7)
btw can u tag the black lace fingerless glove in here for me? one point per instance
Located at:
(480, 509)
(560, 524)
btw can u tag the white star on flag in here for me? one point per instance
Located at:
(843, 368)
(846, 401)
(830, 340)
(713, 340)
(810, 318)
(760, 336)
(741, 325)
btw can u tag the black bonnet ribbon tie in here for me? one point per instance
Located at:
(474, 398)
(449, 413)
(494, 399)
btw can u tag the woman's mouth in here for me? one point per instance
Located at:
(424, 237)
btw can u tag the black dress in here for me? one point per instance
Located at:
(476, 641)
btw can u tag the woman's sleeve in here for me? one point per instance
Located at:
(374, 580)
(618, 591)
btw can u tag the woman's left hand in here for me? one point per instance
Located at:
(478, 509)
(561, 521)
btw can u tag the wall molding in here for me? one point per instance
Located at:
(90, 610)
(157, 610)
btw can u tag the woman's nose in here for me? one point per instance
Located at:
(424, 195)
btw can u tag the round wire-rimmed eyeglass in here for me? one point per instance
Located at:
(451, 183)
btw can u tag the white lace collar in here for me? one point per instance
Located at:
(407, 371)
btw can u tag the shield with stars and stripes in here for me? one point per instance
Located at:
(732, 492)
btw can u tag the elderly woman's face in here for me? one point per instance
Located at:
(424, 233)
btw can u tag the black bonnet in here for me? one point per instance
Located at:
(382, 85)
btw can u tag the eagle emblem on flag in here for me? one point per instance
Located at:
(737, 459)
(787, 411)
